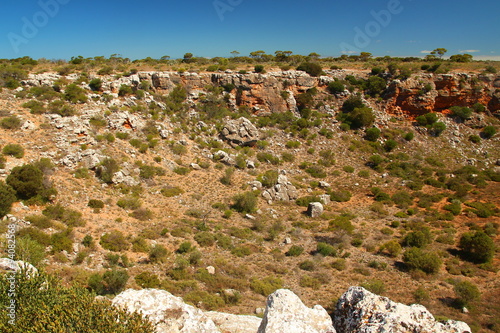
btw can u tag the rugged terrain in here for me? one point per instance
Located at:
(203, 182)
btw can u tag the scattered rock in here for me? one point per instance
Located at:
(169, 313)
(282, 191)
(360, 311)
(287, 240)
(224, 158)
(285, 312)
(315, 209)
(211, 270)
(323, 184)
(195, 166)
(240, 132)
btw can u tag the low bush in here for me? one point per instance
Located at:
(11, 123)
(466, 293)
(147, 280)
(171, 191)
(14, 150)
(295, 251)
(158, 253)
(266, 286)
(114, 241)
(72, 309)
(417, 259)
(326, 249)
(245, 202)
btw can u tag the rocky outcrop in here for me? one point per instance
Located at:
(277, 91)
(360, 311)
(169, 313)
(240, 132)
(425, 93)
(285, 312)
(282, 191)
(16, 266)
(357, 311)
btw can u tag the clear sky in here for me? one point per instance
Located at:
(60, 29)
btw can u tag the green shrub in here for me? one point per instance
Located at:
(340, 196)
(129, 203)
(35, 107)
(114, 241)
(307, 265)
(39, 221)
(147, 280)
(171, 191)
(95, 84)
(341, 223)
(326, 249)
(107, 169)
(311, 68)
(259, 69)
(241, 251)
(402, 199)
(268, 158)
(182, 170)
(61, 108)
(26, 180)
(72, 309)
(417, 259)
(339, 264)
(95, 203)
(75, 94)
(29, 250)
(489, 131)
(427, 119)
(374, 286)
(474, 138)
(206, 300)
(389, 145)
(316, 171)
(477, 246)
(269, 178)
(461, 112)
(245, 202)
(12, 123)
(295, 251)
(419, 238)
(204, 238)
(409, 136)
(392, 248)
(125, 90)
(372, 134)
(13, 149)
(7, 198)
(185, 247)
(266, 286)
(466, 293)
(158, 253)
(68, 216)
(308, 281)
(142, 214)
(336, 87)
(62, 241)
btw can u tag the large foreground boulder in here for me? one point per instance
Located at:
(286, 313)
(169, 313)
(360, 311)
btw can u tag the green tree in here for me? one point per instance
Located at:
(466, 293)
(439, 51)
(7, 198)
(26, 180)
(477, 246)
(372, 134)
(461, 112)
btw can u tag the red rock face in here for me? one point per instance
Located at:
(411, 98)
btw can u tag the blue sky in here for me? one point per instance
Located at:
(60, 29)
